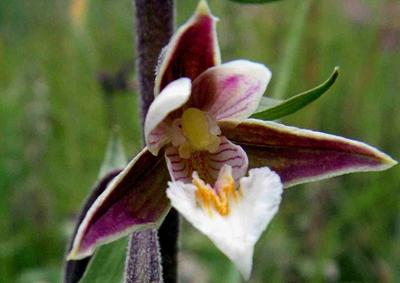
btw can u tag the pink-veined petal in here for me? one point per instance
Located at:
(173, 96)
(231, 90)
(134, 200)
(301, 156)
(207, 164)
(179, 168)
(192, 50)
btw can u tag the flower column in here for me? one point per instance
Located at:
(154, 24)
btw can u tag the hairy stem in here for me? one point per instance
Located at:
(154, 27)
(143, 264)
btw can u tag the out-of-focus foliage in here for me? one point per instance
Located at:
(254, 1)
(57, 105)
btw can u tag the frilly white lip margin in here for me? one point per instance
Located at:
(236, 233)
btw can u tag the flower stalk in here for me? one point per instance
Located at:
(154, 25)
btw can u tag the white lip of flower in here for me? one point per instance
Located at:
(232, 218)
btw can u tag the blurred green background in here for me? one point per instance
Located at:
(57, 61)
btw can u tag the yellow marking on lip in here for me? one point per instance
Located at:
(219, 199)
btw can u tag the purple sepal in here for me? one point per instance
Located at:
(301, 156)
(134, 200)
(192, 50)
(74, 269)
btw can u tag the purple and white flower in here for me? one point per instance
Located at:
(199, 123)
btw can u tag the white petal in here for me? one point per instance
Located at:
(173, 96)
(235, 234)
(231, 90)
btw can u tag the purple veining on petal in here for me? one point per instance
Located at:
(157, 137)
(230, 90)
(238, 167)
(229, 154)
(232, 113)
(206, 164)
(241, 104)
(179, 170)
(157, 132)
(170, 155)
(223, 150)
(226, 159)
(137, 198)
(178, 167)
(249, 92)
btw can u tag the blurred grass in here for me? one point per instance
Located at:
(54, 125)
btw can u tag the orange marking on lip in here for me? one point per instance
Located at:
(216, 198)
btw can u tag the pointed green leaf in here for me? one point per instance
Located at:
(107, 265)
(297, 102)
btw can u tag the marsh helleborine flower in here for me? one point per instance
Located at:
(199, 122)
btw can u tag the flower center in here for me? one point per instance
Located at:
(217, 198)
(196, 129)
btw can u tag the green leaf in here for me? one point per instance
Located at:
(254, 1)
(107, 265)
(297, 102)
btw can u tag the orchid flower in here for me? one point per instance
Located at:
(199, 122)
